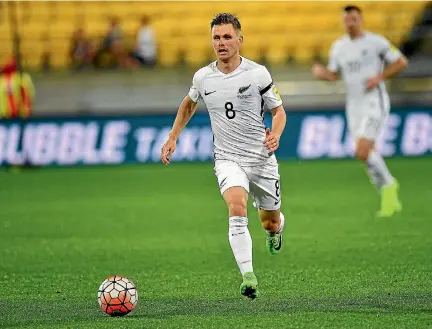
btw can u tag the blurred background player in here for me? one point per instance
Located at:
(359, 57)
(145, 48)
(234, 90)
(81, 50)
(16, 92)
(16, 98)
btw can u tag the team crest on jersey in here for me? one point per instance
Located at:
(243, 89)
(241, 92)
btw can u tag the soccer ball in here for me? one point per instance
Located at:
(117, 296)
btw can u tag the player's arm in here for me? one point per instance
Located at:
(272, 139)
(278, 121)
(185, 112)
(278, 125)
(329, 73)
(323, 73)
(396, 63)
(272, 99)
(394, 68)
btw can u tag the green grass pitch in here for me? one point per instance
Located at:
(64, 230)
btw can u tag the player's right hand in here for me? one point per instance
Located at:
(167, 150)
(318, 70)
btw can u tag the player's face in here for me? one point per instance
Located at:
(353, 22)
(226, 41)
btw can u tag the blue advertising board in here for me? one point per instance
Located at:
(138, 139)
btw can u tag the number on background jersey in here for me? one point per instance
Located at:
(354, 66)
(277, 188)
(230, 113)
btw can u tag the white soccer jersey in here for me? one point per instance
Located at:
(360, 59)
(235, 102)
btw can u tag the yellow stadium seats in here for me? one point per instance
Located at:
(169, 52)
(376, 21)
(32, 30)
(196, 26)
(163, 29)
(60, 53)
(307, 47)
(277, 51)
(198, 53)
(31, 51)
(254, 48)
(296, 24)
(325, 23)
(141, 8)
(273, 30)
(62, 29)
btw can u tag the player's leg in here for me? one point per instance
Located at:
(265, 189)
(369, 130)
(273, 221)
(234, 187)
(240, 238)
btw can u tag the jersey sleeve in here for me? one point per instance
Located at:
(387, 51)
(268, 90)
(194, 92)
(333, 64)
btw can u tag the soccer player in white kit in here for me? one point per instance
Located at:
(235, 90)
(359, 57)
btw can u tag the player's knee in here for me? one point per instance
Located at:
(269, 219)
(362, 150)
(237, 208)
(362, 154)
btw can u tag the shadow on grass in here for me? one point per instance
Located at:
(400, 303)
(65, 310)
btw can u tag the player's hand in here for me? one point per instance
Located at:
(271, 141)
(318, 70)
(373, 82)
(167, 150)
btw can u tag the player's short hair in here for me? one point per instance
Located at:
(226, 18)
(350, 8)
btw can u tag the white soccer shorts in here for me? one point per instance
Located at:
(262, 183)
(367, 118)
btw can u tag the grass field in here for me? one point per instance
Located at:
(63, 231)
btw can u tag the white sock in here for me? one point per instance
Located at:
(241, 243)
(378, 170)
(282, 223)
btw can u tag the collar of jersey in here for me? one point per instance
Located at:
(236, 69)
(358, 39)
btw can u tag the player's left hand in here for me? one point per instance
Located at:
(271, 141)
(373, 82)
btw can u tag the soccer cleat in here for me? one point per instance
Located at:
(273, 242)
(249, 286)
(390, 203)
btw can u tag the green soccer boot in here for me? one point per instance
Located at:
(390, 203)
(249, 286)
(273, 242)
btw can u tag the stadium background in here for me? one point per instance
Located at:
(288, 39)
(342, 268)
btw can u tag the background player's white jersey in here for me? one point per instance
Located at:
(235, 102)
(360, 59)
